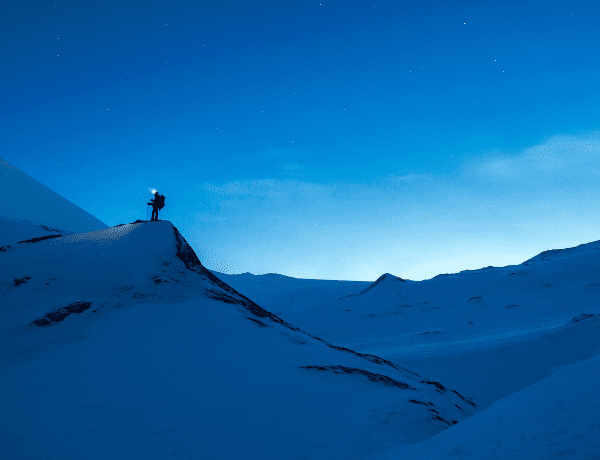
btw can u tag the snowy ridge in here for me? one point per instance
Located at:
(130, 311)
(556, 254)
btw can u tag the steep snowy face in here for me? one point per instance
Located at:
(24, 198)
(116, 335)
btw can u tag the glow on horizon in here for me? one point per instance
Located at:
(333, 141)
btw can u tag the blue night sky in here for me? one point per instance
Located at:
(316, 139)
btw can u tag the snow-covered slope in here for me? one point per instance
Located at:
(281, 294)
(523, 340)
(13, 232)
(118, 343)
(25, 199)
(556, 417)
(458, 313)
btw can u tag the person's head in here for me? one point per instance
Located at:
(156, 193)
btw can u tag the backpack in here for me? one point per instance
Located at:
(161, 201)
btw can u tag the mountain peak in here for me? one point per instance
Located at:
(385, 278)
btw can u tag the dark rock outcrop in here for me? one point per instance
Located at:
(41, 238)
(377, 378)
(19, 281)
(57, 316)
(581, 317)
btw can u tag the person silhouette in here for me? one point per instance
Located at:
(157, 201)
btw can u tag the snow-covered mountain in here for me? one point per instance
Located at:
(119, 342)
(523, 340)
(22, 198)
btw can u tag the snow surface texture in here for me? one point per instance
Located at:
(118, 343)
(25, 199)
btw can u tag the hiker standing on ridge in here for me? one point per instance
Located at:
(158, 202)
